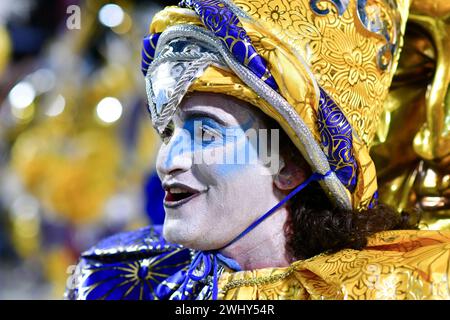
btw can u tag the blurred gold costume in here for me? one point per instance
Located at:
(5, 48)
(413, 149)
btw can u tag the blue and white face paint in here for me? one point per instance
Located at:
(216, 166)
(213, 142)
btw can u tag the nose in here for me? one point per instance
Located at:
(176, 156)
(432, 142)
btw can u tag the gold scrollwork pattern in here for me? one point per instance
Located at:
(341, 52)
(396, 265)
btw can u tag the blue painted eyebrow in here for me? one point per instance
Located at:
(203, 114)
(200, 114)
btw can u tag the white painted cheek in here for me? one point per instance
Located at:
(176, 155)
(238, 154)
(219, 164)
(160, 159)
(229, 181)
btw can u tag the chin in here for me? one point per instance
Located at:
(170, 232)
(176, 232)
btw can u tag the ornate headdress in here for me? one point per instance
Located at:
(321, 69)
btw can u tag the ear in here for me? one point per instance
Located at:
(290, 175)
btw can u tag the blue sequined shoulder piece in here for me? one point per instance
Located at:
(141, 241)
(136, 265)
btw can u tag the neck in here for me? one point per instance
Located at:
(264, 246)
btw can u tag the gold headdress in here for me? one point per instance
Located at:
(321, 69)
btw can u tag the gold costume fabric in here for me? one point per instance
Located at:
(395, 265)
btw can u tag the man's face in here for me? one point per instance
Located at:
(413, 159)
(216, 175)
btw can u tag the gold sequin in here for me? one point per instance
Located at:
(395, 265)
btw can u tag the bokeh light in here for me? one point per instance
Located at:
(74, 150)
(56, 107)
(109, 110)
(111, 15)
(22, 95)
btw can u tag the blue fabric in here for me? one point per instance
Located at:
(130, 266)
(154, 199)
(374, 202)
(148, 51)
(336, 136)
(230, 263)
(341, 6)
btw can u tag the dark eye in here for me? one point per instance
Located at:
(168, 132)
(208, 134)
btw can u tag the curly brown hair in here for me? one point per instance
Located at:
(316, 226)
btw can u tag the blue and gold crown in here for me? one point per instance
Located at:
(321, 69)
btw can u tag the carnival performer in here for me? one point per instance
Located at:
(267, 110)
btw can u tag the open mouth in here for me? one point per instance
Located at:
(178, 195)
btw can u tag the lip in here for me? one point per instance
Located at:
(178, 203)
